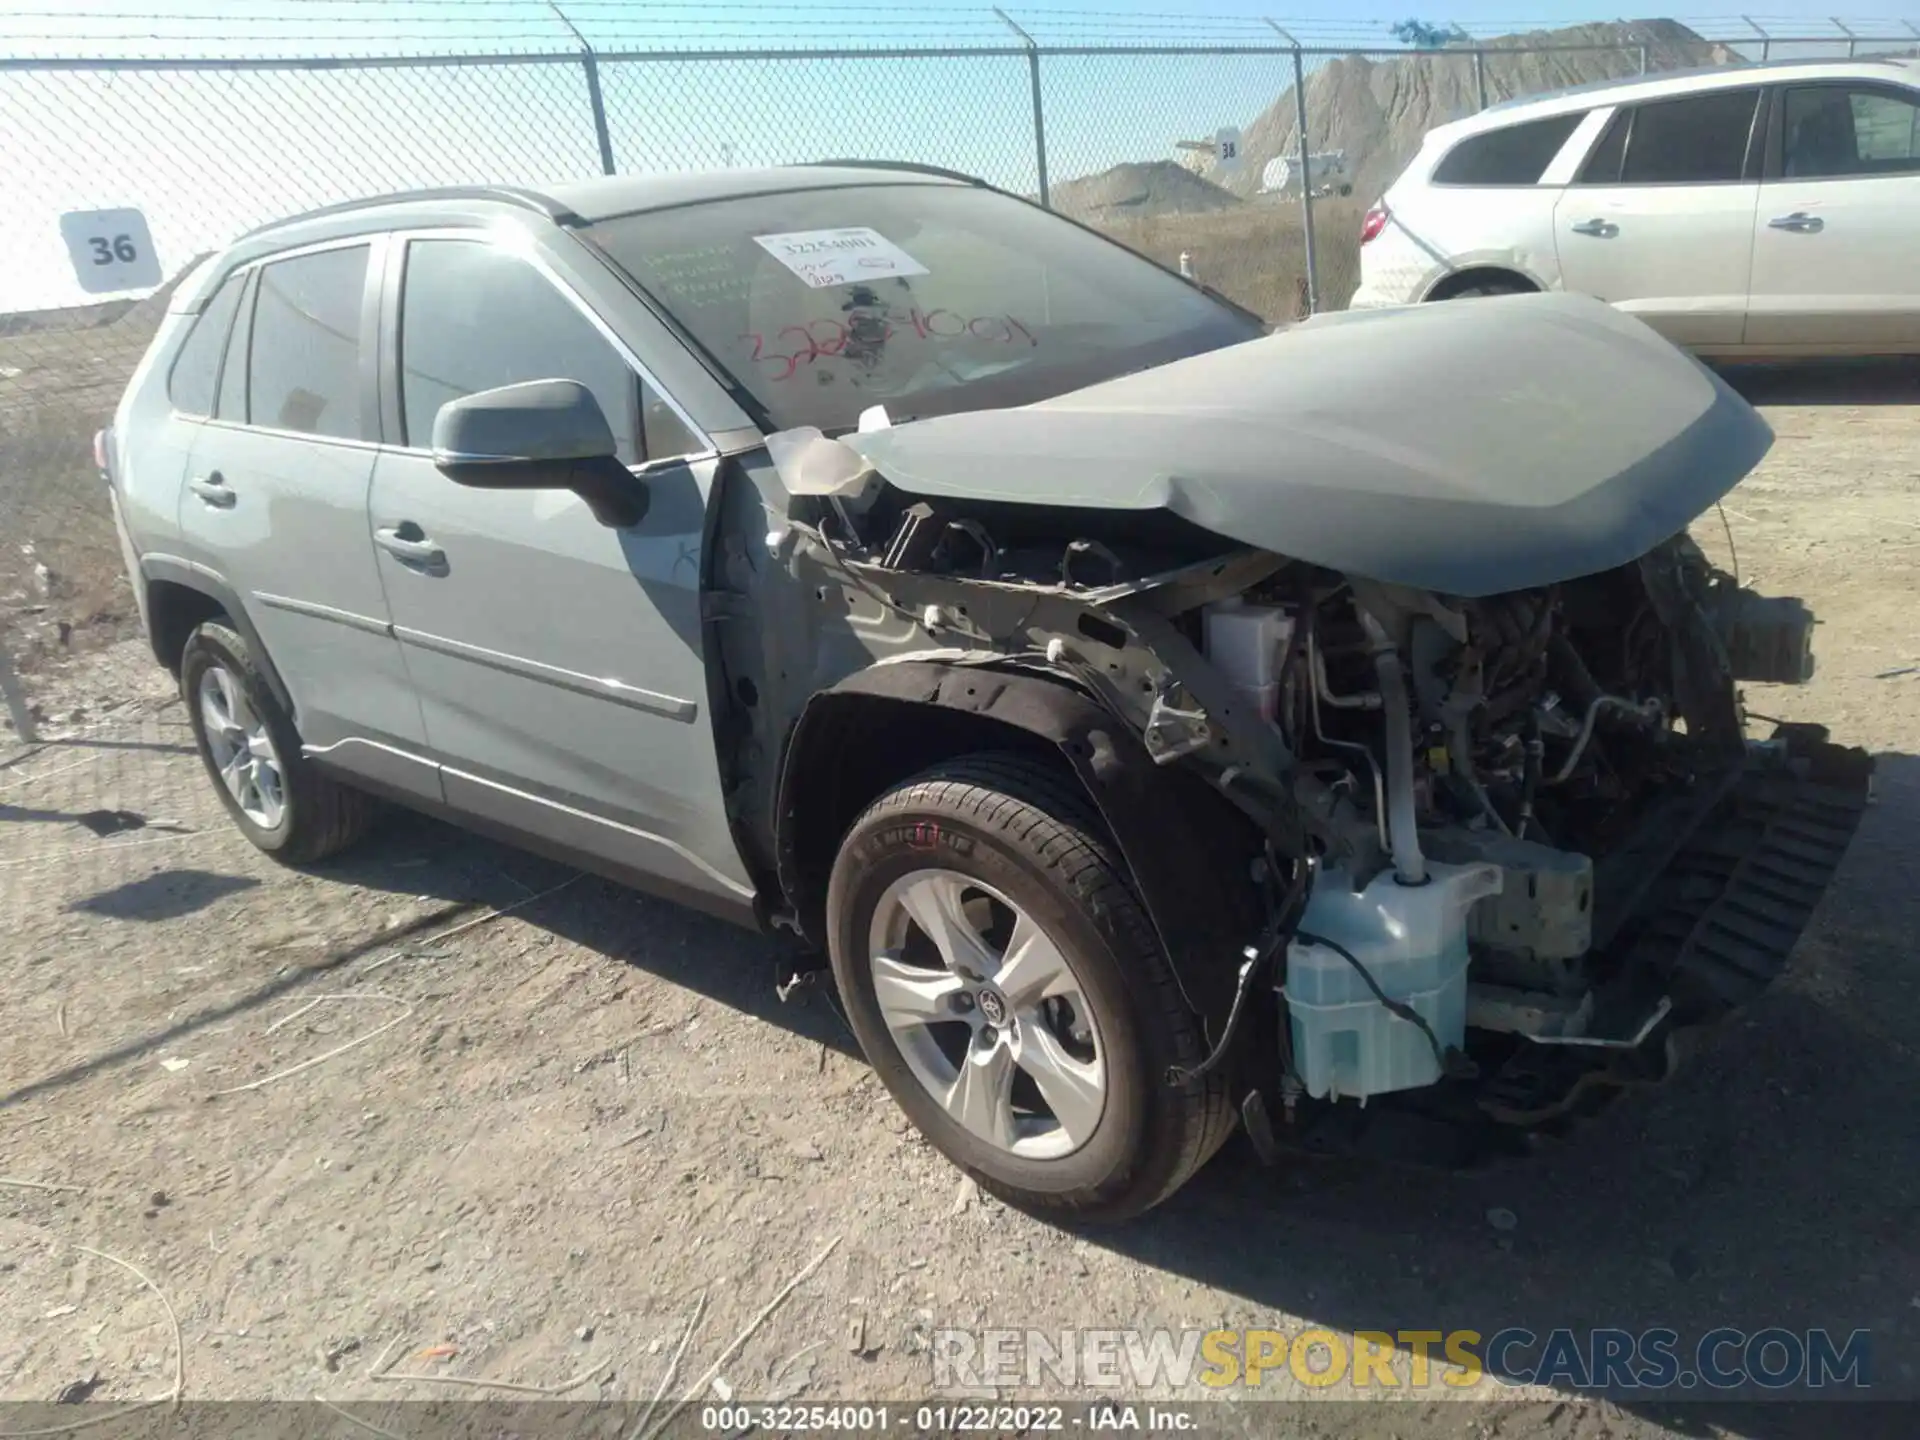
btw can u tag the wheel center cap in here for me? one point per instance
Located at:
(993, 1006)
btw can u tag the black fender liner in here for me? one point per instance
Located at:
(194, 577)
(1190, 851)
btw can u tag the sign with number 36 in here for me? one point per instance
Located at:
(111, 250)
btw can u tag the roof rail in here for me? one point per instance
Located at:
(906, 166)
(506, 194)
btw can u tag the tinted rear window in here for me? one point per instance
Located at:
(196, 370)
(304, 370)
(1517, 155)
(1701, 140)
(1834, 130)
(927, 299)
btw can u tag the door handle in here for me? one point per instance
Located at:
(213, 491)
(1605, 229)
(407, 544)
(1800, 222)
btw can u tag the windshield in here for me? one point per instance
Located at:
(927, 299)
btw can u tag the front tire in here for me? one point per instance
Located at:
(1009, 990)
(276, 797)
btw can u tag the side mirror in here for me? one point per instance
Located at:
(540, 435)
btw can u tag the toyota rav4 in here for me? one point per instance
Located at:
(1159, 724)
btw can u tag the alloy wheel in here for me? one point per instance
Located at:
(241, 749)
(988, 1014)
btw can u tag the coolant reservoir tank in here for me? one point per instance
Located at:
(1412, 939)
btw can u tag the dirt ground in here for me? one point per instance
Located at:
(556, 1129)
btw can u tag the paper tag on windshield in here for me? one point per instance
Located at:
(839, 257)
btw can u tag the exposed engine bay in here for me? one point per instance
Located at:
(1566, 746)
(1489, 853)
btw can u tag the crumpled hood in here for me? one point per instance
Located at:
(1470, 447)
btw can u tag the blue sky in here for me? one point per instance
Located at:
(205, 154)
(230, 26)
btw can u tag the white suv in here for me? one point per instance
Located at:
(1764, 210)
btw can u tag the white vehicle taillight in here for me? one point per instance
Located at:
(1375, 222)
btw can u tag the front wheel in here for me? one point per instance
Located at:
(1010, 992)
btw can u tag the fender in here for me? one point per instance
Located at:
(214, 586)
(1183, 843)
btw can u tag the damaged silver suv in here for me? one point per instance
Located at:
(1160, 724)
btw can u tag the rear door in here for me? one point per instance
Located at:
(157, 425)
(561, 664)
(275, 504)
(1489, 201)
(1836, 242)
(1659, 220)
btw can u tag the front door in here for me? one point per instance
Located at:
(1836, 243)
(560, 663)
(1659, 221)
(275, 504)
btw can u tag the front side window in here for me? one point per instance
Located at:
(1832, 131)
(474, 317)
(196, 370)
(1517, 155)
(303, 367)
(1698, 140)
(924, 298)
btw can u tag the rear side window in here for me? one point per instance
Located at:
(474, 317)
(303, 369)
(1603, 165)
(232, 404)
(1832, 131)
(1700, 140)
(1517, 155)
(196, 369)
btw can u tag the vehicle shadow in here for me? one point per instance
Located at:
(464, 877)
(1771, 1183)
(1888, 380)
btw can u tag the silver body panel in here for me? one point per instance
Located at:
(549, 680)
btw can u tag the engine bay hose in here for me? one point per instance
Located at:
(1403, 834)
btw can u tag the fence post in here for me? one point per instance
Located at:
(1039, 115)
(1853, 41)
(1766, 40)
(590, 63)
(16, 699)
(1306, 173)
(1480, 76)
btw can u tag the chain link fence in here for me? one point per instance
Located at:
(1121, 135)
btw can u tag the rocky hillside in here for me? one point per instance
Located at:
(1376, 110)
(1133, 191)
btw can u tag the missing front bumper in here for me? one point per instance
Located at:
(1700, 920)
